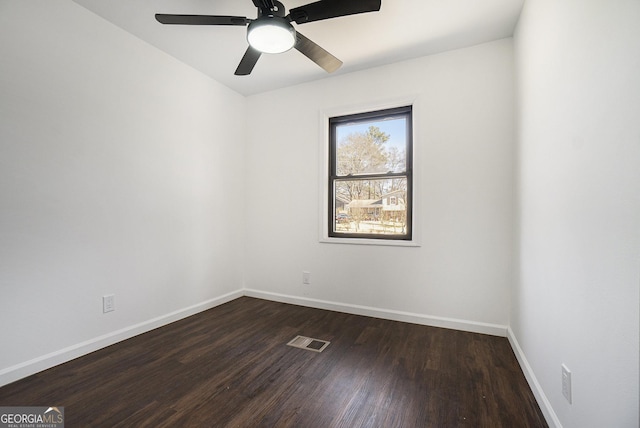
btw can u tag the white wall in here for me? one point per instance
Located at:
(118, 174)
(464, 162)
(576, 298)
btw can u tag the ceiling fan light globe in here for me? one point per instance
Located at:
(272, 35)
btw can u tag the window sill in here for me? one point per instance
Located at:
(364, 241)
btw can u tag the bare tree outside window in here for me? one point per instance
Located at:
(370, 175)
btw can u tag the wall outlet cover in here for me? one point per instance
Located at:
(108, 303)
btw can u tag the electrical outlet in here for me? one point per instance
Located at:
(306, 277)
(566, 383)
(108, 303)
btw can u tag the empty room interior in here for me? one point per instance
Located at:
(168, 226)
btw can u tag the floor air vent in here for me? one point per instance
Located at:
(308, 343)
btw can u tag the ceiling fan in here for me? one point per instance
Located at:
(272, 31)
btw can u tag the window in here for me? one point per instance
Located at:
(370, 175)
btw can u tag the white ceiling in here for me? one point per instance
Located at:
(401, 30)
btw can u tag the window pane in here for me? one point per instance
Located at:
(371, 206)
(371, 147)
(370, 175)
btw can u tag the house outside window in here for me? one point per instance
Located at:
(370, 175)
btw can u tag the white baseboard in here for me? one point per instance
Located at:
(433, 321)
(27, 368)
(19, 371)
(543, 402)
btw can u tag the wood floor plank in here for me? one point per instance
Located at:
(230, 367)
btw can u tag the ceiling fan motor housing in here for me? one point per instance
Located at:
(278, 9)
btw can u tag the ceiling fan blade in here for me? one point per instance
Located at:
(247, 62)
(201, 19)
(316, 54)
(326, 9)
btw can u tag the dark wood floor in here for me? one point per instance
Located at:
(230, 367)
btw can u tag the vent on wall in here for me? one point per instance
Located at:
(308, 343)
